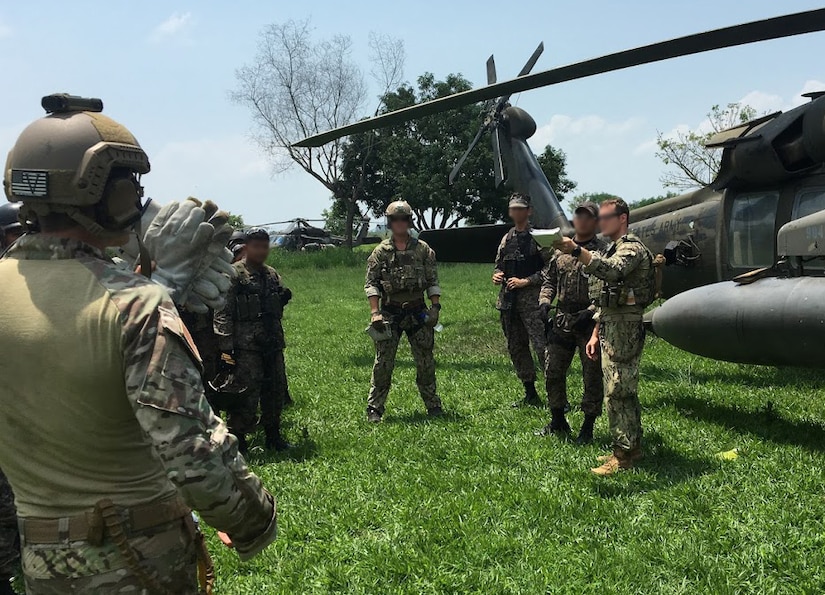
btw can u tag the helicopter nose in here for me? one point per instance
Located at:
(519, 122)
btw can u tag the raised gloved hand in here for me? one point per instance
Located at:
(377, 322)
(582, 320)
(544, 311)
(432, 315)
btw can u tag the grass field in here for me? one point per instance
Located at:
(475, 503)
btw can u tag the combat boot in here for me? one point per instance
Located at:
(558, 424)
(373, 415)
(619, 460)
(586, 432)
(243, 447)
(634, 453)
(435, 412)
(531, 396)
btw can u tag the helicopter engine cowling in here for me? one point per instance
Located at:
(776, 322)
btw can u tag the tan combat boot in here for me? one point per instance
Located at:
(619, 460)
(635, 454)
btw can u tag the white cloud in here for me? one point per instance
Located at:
(594, 130)
(175, 27)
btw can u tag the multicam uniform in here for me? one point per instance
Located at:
(108, 396)
(400, 278)
(626, 274)
(565, 281)
(520, 257)
(250, 325)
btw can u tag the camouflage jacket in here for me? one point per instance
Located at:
(121, 413)
(402, 275)
(520, 256)
(565, 279)
(626, 270)
(251, 318)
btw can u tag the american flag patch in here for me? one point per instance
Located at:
(29, 182)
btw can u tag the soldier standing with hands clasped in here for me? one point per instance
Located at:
(571, 328)
(519, 263)
(399, 271)
(628, 285)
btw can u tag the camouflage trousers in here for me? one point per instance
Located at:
(523, 328)
(422, 342)
(622, 342)
(264, 375)
(560, 351)
(166, 552)
(9, 537)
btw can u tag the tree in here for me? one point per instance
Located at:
(297, 87)
(694, 164)
(413, 160)
(553, 163)
(235, 221)
(652, 200)
(596, 197)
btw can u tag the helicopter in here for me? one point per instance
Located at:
(761, 222)
(300, 235)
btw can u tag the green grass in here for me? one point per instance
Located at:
(475, 503)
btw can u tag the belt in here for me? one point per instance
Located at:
(411, 305)
(573, 308)
(82, 526)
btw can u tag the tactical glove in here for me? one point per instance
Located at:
(582, 320)
(211, 281)
(544, 311)
(286, 295)
(377, 322)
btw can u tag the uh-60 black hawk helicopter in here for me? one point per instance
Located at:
(761, 222)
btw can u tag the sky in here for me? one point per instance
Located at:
(165, 69)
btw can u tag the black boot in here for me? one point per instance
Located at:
(531, 396)
(274, 440)
(586, 433)
(558, 424)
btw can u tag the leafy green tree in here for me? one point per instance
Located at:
(652, 200)
(691, 163)
(596, 197)
(413, 160)
(235, 221)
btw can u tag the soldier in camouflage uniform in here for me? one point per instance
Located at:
(519, 262)
(107, 391)
(571, 328)
(399, 271)
(10, 230)
(627, 286)
(251, 338)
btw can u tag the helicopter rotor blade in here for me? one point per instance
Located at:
(773, 28)
(498, 166)
(463, 158)
(526, 69)
(491, 70)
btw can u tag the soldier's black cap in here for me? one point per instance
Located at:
(588, 207)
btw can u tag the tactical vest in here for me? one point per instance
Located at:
(520, 256)
(636, 289)
(403, 272)
(257, 301)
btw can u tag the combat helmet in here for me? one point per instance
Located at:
(256, 233)
(399, 209)
(9, 222)
(80, 163)
(238, 238)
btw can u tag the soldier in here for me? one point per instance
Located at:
(519, 263)
(571, 328)
(237, 244)
(628, 285)
(107, 391)
(10, 226)
(251, 339)
(399, 271)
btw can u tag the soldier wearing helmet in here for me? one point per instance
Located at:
(400, 271)
(107, 381)
(251, 339)
(237, 245)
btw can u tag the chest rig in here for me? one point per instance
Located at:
(257, 296)
(403, 271)
(521, 257)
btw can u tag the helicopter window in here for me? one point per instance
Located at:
(752, 229)
(809, 202)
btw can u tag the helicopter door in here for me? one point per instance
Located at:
(807, 202)
(752, 230)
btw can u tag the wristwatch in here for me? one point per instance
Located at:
(576, 252)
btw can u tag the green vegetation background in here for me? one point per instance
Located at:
(475, 503)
